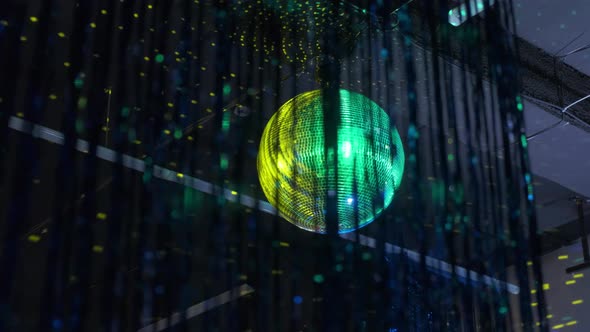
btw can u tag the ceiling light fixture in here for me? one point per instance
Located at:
(462, 13)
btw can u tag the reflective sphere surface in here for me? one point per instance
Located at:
(297, 174)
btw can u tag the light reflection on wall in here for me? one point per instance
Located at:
(567, 294)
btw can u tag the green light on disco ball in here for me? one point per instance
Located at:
(296, 178)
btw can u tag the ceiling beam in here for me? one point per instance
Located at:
(544, 76)
(441, 267)
(198, 309)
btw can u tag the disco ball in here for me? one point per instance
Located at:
(297, 175)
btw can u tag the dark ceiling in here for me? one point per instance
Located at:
(189, 245)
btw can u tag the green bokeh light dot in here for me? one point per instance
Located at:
(294, 175)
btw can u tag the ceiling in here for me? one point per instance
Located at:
(558, 27)
(559, 156)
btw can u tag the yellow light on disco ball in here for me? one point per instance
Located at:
(297, 175)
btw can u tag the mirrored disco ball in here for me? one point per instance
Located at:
(297, 174)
